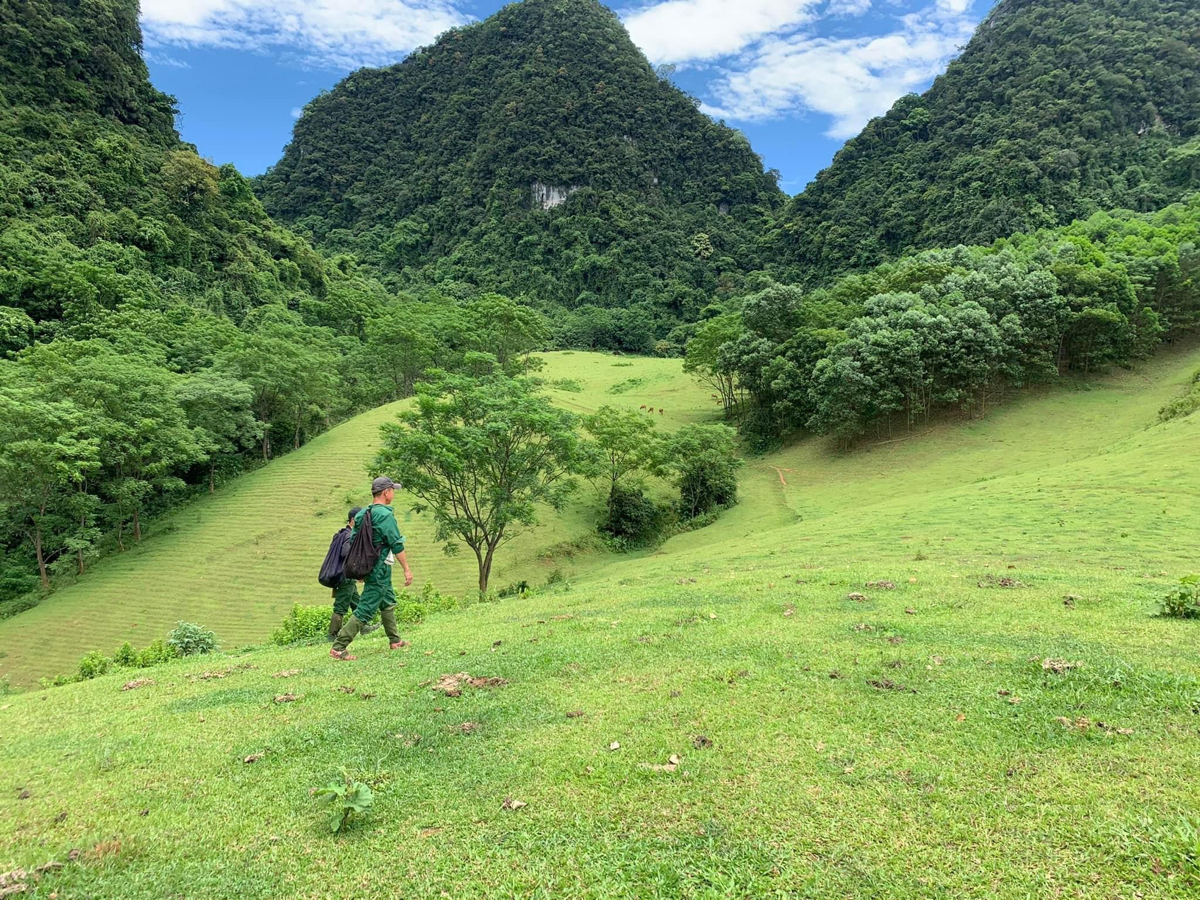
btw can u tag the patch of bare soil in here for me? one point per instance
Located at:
(452, 685)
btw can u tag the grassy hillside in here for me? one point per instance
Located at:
(924, 740)
(236, 562)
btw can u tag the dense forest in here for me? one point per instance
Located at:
(1055, 110)
(531, 182)
(158, 332)
(445, 167)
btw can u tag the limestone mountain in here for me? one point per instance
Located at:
(1056, 109)
(536, 153)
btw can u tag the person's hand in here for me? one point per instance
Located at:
(408, 576)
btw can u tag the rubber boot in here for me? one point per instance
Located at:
(367, 629)
(388, 619)
(350, 630)
(335, 625)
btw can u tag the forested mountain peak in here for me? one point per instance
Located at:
(536, 153)
(1056, 109)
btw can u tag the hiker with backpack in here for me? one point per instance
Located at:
(333, 576)
(376, 544)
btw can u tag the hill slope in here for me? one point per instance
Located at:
(956, 734)
(1055, 110)
(533, 153)
(238, 560)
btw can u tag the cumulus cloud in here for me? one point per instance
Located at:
(339, 33)
(847, 7)
(850, 79)
(681, 31)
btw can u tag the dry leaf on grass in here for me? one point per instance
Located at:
(286, 673)
(882, 585)
(700, 742)
(510, 803)
(136, 683)
(575, 714)
(1059, 666)
(254, 757)
(670, 765)
(856, 597)
(886, 684)
(909, 611)
(790, 611)
(468, 727)
(346, 689)
(286, 698)
(615, 745)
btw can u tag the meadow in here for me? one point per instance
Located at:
(928, 667)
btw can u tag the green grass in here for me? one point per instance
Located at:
(908, 744)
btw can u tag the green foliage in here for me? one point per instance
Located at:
(1184, 601)
(436, 169)
(954, 330)
(93, 664)
(410, 613)
(159, 651)
(516, 589)
(1055, 109)
(303, 623)
(1185, 405)
(125, 657)
(483, 454)
(633, 518)
(188, 639)
(347, 799)
(702, 461)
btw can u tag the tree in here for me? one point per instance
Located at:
(44, 452)
(702, 460)
(483, 454)
(218, 407)
(626, 442)
(703, 358)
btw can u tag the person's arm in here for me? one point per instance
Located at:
(402, 557)
(394, 541)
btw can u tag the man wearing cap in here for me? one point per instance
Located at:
(377, 595)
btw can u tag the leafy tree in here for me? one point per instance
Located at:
(703, 463)
(219, 408)
(627, 446)
(483, 454)
(703, 358)
(45, 451)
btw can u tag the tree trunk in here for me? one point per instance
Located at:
(120, 543)
(266, 443)
(79, 552)
(485, 568)
(212, 474)
(137, 526)
(41, 559)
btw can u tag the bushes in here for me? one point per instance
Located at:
(1184, 601)
(189, 639)
(304, 623)
(1185, 405)
(633, 517)
(704, 464)
(93, 664)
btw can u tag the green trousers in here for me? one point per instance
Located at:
(353, 627)
(345, 597)
(377, 593)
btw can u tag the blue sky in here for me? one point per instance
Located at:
(798, 77)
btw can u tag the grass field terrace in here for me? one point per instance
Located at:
(967, 732)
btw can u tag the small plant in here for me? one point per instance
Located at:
(347, 799)
(126, 657)
(5, 686)
(157, 652)
(304, 623)
(434, 601)
(513, 590)
(1184, 601)
(410, 614)
(189, 639)
(94, 664)
(555, 577)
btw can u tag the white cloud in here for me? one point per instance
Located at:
(678, 31)
(850, 79)
(847, 7)
(341, 33)
(164, 59)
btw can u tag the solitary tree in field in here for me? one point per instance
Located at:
(482, 454)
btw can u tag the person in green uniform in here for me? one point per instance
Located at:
(378, 595)
(345, 595)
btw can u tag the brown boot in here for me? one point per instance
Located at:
(343, 655)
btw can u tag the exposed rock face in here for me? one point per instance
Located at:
(548, 196)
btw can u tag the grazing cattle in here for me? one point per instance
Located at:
(660, 412)
(643, 406)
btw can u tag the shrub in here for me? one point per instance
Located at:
(1184, 601)
(516, 589)
(703, 462)
(434, 601)
(304, 623)
(94, 664)
(411, 613)
(5, 686)
(1185, 405)
(189, 639)
(555, 577)
(158, 652)
(633, 517)
(126, 656)
(346, 799)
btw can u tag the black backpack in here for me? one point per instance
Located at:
(363, 553)
(332, 570)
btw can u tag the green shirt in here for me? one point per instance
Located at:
(383, 524)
